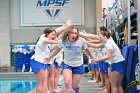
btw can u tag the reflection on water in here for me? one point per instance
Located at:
(16, 86)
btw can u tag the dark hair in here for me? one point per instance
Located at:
(47, 31)
(103, 28)
(106, 33)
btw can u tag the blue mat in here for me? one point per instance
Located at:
(129, 64)
(134, 63)
(125, 53)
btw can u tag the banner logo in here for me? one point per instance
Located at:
(52, 7)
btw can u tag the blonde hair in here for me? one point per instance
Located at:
(66, 34)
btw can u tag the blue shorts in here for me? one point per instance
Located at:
(119, 67)
(91, 66)
(100, 64)
(95, 66)
(56, 65)
(104, 69)
(75, 70)
(37, 66)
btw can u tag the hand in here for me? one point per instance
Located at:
(88, 44)
(69, 23)
(82, 33)
(95, 60)
(46, 60)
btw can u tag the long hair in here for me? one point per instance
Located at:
(66, 34)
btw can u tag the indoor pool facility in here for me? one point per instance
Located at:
(69, 46)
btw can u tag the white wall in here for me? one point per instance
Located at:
(21, 34)
(4, 33)
(32, 33)
(90, 16)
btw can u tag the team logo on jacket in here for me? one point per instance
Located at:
(52, 8)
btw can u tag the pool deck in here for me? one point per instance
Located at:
(86, 86)
(17, 75)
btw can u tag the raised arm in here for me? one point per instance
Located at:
(99, 45)
(106, 57)
(88, 35)
(48, 41)
(52, 54)
(89, 53)
(61, 29)
(94, 41)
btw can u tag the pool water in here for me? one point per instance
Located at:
(17, 86)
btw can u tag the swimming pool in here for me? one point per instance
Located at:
(17, 82)
(17, 86)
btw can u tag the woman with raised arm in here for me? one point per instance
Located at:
(115, 59)
(73, 68)
(38, 66)
(42, 49)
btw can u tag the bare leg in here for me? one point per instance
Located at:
(67, 74)
(51, 78)
(92, 75)
(75, 82)
(107, 83)
(46, 81)
(119, 84)
(42, 81)
(56, 79)
(116, 82)
(97, 76)
(102, 80)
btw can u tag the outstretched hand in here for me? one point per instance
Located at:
(95, 60)
(69, 23)
(47, 61)
(82, 33)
